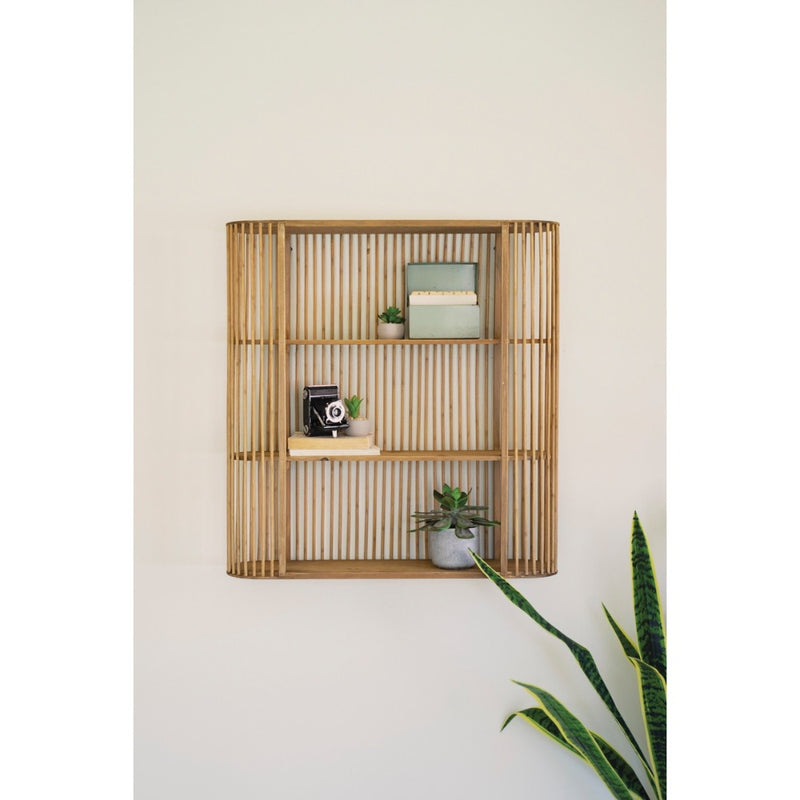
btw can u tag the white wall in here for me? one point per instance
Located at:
(548, 109)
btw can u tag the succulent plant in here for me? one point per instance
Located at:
(453, 512)
(353, 405)
(393, 315)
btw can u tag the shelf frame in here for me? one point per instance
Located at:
(522, 257)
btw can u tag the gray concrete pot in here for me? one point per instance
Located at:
(358, 427)
(447, 551)
(391, 330)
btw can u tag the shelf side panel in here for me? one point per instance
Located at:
(532, 412)
(251, 399)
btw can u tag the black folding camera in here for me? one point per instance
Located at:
(323, 411)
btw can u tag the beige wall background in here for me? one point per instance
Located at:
(550, 109)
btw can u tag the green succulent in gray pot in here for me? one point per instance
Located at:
(358, 424)
(452, 528)
(391, 323)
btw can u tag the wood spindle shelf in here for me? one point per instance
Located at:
(303, 299)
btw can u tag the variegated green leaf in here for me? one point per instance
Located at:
(483, 521)
(574, 732)
(539, 718)
(653, 694)
(627, 643)
(582, 655)
(622, 767)
(647, 603)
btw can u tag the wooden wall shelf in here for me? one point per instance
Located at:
(303, 300)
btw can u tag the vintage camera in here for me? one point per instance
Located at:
(323, 411)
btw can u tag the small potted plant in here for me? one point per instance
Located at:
(359, 426)
(452, 528)
(390, 324)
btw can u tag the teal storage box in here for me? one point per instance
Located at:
(442, 321)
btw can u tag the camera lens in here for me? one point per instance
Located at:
(334, 412)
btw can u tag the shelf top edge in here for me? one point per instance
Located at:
(391, 226)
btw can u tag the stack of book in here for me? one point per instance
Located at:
(301, 445)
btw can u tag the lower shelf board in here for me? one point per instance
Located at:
(400, 455)
(406, 568)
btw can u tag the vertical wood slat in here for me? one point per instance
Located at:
(501, 392)
(515, 394)
(547, 321)
(252, 551)
(552, 386)
(527, 354)
(554, 272)
(271, 392)
(283, 399)
(236, 350)
(229, 403)
(243, 399)
(541, 417)
(261, 530)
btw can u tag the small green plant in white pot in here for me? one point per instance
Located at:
(452, 528)
(391, 324)
(359, 425)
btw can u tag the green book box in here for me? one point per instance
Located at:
(442, 321)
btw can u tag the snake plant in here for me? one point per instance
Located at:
(648, 658)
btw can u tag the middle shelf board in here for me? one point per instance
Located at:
(401, 455)
(384, 342)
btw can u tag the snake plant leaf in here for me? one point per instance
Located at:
(647, 603)
(582, 655)
(622, 767)
(580, 737)
(539, 718)
(653, 694)
(627, 643)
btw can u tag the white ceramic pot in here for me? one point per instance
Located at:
(391, 330)
(447, 551)
(358, 427)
